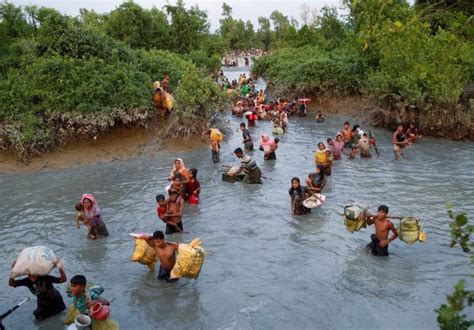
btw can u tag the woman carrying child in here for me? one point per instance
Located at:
(93, 216)
(315, 181)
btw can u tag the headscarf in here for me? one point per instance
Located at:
(183, 168)
(325, 148)
(94, 211)
(266, 142)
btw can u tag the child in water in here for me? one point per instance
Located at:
(353, 153)
(177, 185)
(383, 226)
(364, 146)
(80, 216)
(174, 213)
(161, 206)
(83, 299)
(315, 181)
(194, 187)
(298, 194)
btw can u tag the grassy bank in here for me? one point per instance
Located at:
(63, 79)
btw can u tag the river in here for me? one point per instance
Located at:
(265, 268)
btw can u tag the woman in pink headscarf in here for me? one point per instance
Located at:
(92, 214)
(268, 146)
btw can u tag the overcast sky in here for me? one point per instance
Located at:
(244, 9)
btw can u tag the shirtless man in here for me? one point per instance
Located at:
(399, 142)
(383, 226)
(174, 213)
(346, 134)
(165, 253)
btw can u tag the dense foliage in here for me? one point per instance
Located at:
(59, 74)
(385, 48)
(421, 54)
(452, 315)
(64, 77)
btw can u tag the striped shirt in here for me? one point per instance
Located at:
(247, 163)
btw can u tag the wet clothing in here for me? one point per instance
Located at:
(375, 248)
(161, 211)
(364, 147)
(398, 149)
(246, 134)
(248, 145)
(298, 196)
(321, 157)
(165, 275)
(400, 137)
(302, 110)
(253, 176)
(172, 229)
(215, 156)
(93, 215)
(338, 147)
(192, 186)
(270, 156)
(89, 294)
(50, 302)
(183, 171)
(247, 163)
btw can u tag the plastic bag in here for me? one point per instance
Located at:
(144, 253)
(190, 259)
(217, 135)
(355, 216)
(36, 260)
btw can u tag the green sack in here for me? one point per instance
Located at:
(355, 211)
(409, 229)
(356, 225)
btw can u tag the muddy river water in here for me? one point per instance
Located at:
(265, 268)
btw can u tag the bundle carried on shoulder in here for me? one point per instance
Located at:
(189, 261)
(410, 230)
(355, 216)
(168, 101)
(144, 253)
(217, 135)
(36, 260)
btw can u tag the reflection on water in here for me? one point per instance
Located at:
(266, 268)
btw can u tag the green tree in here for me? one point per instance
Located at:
(264, 33)
(188, 28)
(132, 24)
